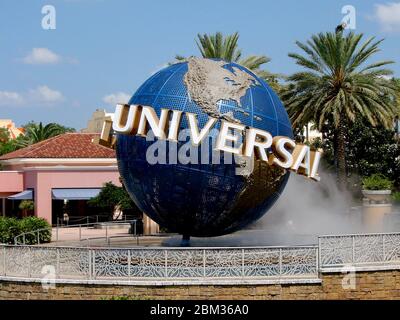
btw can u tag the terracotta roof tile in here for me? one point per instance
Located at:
(68, 145)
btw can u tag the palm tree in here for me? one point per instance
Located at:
(226, 48)
(37, 132)
(397, 84)
(337, 86)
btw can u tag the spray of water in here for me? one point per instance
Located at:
(311, 208)
(305, 210)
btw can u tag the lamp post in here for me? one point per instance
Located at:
(65, 213)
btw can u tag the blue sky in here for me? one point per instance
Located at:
(102, 50)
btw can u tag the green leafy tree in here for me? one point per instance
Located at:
(4, 141)
(369, 150)
(34, 132)
(112, 197)
(337, 86)
(11, 145)
(226, 47)
(26, 206)
(4, 135)
(397, 83)
(6, 144)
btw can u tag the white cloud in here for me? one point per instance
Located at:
(46, 56)
(10, 98)
(388, 15)
(118, 97)
(45, 95)
(42, 56)
(40, 95)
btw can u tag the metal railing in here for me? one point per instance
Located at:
(159, 263)
(359, 249)
(21, 239)
(73, 220)
(34, 237)
(265, 263)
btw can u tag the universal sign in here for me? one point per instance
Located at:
(278, 151)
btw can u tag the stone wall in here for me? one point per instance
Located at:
(369, 285)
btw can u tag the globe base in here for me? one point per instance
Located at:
(185, 241)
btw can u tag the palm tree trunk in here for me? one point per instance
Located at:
(341, 155)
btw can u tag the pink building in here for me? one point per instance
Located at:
(66, 167)
(13, 131)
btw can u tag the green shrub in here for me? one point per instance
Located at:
(9, 228)
(12, 227)
(396, 197)
(377, 182)
(30, 224)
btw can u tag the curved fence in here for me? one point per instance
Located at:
(161, 265)
(359, 249)
(158, 263)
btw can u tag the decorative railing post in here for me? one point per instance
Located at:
(242, 262)
(4, 260)
(57, 263)
(320, 252)
(383, 248)
(129, 264)
(29, 261)
(353, 249)
(204, 263)
(90, 271)
(93, 263)
(280, 262)
(317, 259)
(166, 263)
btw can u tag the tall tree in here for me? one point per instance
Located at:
(397, 83)
(4, 135)
(112, 197)
(36, 132)
(226, 47)
(337, 86)
(369, 150)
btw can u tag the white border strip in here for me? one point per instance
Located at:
(175, 282)
(360, 268)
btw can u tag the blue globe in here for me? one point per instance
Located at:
(204, 199)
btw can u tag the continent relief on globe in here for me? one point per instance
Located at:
(208, 82)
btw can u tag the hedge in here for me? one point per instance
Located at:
(12, 227)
